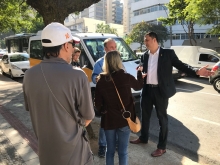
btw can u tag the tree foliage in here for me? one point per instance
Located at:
(127, 39)
(17, 16)
(105, 28)
(178, 13)
(139, 30)
(205, 12)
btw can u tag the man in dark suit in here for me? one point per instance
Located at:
(159, 87)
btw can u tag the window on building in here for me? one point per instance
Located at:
(176, 36)
(136, 13)
(183, 36)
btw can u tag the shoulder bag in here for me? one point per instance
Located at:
(134, 126)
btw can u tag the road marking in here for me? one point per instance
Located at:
(199, 92)
(207, 121)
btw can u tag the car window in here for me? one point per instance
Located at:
(19, 57)
(208, 58)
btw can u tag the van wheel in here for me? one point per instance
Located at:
(216, 85)
(11, 75)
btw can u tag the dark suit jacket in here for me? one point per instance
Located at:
(166, 60)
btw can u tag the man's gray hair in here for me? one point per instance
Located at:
(108, 40)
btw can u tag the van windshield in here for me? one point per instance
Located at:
(96, 48)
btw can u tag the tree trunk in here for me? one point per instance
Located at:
(58, 10)
(191, 34)
(141, 47)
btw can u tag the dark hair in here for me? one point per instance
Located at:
(51, 51)
(152, 35)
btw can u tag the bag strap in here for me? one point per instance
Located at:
(56, 97)
(118, 95)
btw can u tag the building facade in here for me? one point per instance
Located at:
(89, 25)
(106, 12)
(114, 12)
(150, 11)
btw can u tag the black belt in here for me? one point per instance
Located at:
(152, 85)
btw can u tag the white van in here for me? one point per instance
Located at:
(92, 48)
(196, 56)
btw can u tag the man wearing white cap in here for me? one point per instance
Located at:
(59, 100)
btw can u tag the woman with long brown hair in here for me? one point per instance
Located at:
(107, 101)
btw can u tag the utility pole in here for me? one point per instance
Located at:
(171, 33)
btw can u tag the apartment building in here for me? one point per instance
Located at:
(149, 11)
(106, 11)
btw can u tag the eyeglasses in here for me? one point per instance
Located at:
(72, 43)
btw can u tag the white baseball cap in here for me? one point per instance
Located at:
(56, 34)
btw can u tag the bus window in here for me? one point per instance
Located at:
(36, 49)
(25, 44)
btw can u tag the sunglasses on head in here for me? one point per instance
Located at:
(72, 43)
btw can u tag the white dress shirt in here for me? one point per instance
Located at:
(152, 67)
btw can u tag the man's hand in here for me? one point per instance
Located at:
(140, 68)
(87, 122)
(204, 72)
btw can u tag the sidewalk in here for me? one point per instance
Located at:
(19, 146)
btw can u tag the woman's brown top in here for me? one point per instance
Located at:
(106, 95)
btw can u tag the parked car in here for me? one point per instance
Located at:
(15, 64)
(177, 74)
(215, 79)
(2, 53)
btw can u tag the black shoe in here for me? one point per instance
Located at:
(102, 151)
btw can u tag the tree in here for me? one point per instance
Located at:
(30, 15)
(58, 10)
(206, 12)
(178, 13)
(127, 39)
(105, 28)
(139, 30)
(16, 16)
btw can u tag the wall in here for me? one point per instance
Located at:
(210, 43)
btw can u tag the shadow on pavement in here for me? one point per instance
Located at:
(189, 86)
(6, 78)
(180, 139)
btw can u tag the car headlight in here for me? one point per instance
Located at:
(14, 67)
